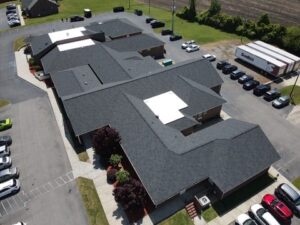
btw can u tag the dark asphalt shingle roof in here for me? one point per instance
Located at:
(117, 28)
(40, 43)
(134, 43)
(74, 81)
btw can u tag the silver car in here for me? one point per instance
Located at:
(5, 162)
(9, 187)
(9, 173)
(4, 151)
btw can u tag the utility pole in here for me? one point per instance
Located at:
(173, 12)
(291, 94)
(129, 4)
(149, 8)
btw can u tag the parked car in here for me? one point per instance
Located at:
(261, 89)
(289, 196)
(277, 208)
(9, 187)
(271, 95)
(236, 74)
(210, 57)
(245, 78)
(229, 68)
(244, 219)
(11, 6)
(175, 37)
(118, 9)
(149, 19)
(221, 64)
(187, 44)
(4, 151)
(138, 12)
(14, 23)
(192, 48)
(12, 15)
(76, 18)
(166, 32)
(5, 162)
(262, 216)
(250, 84)
(157, 24)
(5, 124)
(5, 140)
(281, 102)
(8, 174)
(11, 11)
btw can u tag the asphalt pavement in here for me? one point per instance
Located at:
(3, 19)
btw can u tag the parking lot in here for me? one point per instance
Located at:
(3, 20)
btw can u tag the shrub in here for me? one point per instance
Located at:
(122, 176)
(106, 141)
(115, 159)
(130, 195)
(111, 175)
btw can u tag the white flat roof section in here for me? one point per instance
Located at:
(166, 106)
(66, 34)
(75, 44)
(278, 50)
(261, 55)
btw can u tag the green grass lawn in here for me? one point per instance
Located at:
(91, 201)
(209, 214)
(296, 93)
(180, 218)
(3, 103)
(296, 182)
(19, 43)
(200, 33)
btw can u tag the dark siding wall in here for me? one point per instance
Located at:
(43, 8)
(212, 113)
(217, 89)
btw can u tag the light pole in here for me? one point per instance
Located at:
(291, 94)
(128, 4)
(173, 12)
(149, 8)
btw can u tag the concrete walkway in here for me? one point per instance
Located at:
(20, 15)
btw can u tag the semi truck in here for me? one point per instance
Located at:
(290, 63)
(281, 52)
(262, 61)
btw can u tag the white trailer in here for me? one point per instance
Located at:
(281, 52)
(290, 63)
(262, 61)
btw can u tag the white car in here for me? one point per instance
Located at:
(244, 219)
(9, 187)
(5, 162)
(209, 57)
(187, 44)
(4, 151)
(192, 48)
(262, 215)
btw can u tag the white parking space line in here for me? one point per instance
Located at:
(4, 207)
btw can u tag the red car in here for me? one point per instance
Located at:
(277, 208)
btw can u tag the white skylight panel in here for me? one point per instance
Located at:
(66, 34)
(75, 44)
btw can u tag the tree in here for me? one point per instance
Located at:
(192, 10)
(130, 195)
(106, 141)
(263, 20)
(122, 176)
(215, 7)
(291, 40)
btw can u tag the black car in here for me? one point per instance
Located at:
(289, 196)
(250, 84)
(5, 140)
(261, 89)
(229, 68)
(11, 11)
(166, 32)
(76, 18)
(221, 64)
(157, 24)
(138, 12)
(236, 74)
(149, 19)
(281, 102)
(175, 37)
(245, 78)
(118, 9)
(271, 95)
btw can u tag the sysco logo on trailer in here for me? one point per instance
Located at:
(247, 57)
